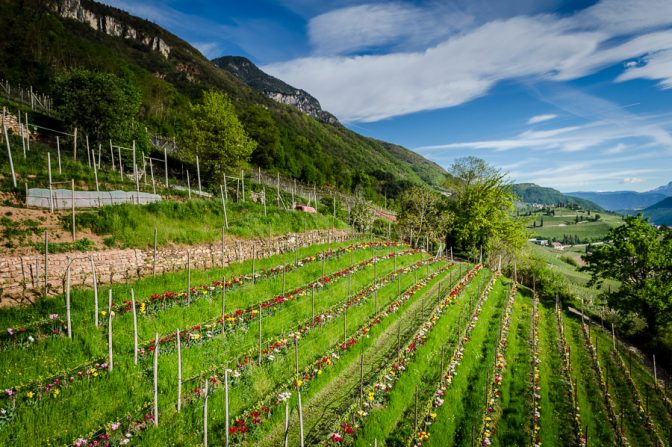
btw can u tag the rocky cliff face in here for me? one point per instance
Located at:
(73, 9)
(243, 69)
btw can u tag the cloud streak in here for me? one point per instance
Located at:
(541, 118)
(471, 60)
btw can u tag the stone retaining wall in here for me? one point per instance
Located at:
(22, 277)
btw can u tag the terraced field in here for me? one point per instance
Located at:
(360, 343)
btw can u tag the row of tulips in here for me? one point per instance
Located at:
(245, 425)
(256, 415)
(241, 318)
(608, 400)
(567, 374)
(54, 325)
(375, 394)
(27, 334)
(429, 412)
(536, 376)
(494, 393)
(166, 299)
(53, 385)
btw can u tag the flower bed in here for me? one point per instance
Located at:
(493, 411)
(26, 335)
(245, 425)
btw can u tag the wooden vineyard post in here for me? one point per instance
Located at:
(222, 247)
(188, 277)
(151, 172)
(242, 183)
(223, 304)
(198, 175)
(312, 302)
(179, 370)
(135, 174)
(156, 380)
(114, 167)
(135, 328)
(226, 406)
(95, 290)
(361, 380)
(165, 161)
(74, 146)
(188, 185)
(58, 153)
(109, 331)
(286, 422)
(46, 262)
(51, 196)
(300, 417)
(296, 355)
(72, 197)
(9, 153)
(254, 259)
(613, 337)
(226, 219)
(67, 301)
(154, 260)
(121, 166)
(205, 415)
(259, 334)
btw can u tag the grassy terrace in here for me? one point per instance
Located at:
(46, 357)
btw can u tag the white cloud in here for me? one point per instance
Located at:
(362, 27)
(631, 180)
(464, 66)
(541, 118)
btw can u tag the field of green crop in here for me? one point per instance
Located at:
(563, 223)
(358, 343)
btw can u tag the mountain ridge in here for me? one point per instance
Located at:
(533, 193)
(274, 88)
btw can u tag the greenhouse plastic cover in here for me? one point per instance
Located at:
(62, 198)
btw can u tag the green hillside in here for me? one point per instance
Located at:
(38, 44)
(532, 193)
(661, 212)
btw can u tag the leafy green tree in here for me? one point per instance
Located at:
(215, 134)
(640, 258)
(480, 210)
(422, 214)
(102, 105)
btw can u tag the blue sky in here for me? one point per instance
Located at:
(575, 95)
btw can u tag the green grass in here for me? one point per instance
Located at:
(513, 427)
(564, 223)
(593, 412)
(261, 383)
(85, 418)
(394, 421)
(556, 406)
(464, 400)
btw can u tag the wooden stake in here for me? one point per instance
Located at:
(260, 334)
(58, 153)
(46, 262)
(188, 185)
(205, 415)
(74, 146)
(198, 175)
(242, 182)
(135, 174)
(286, 422)
(165, 161)
(72, 196)
(151, 171)
(121, 166)
(223, 303)
(9, 153)
(67, 301)
(226, 406)
(109, 331)
(188, 277)
(254, 258)
(300, 418)
(156, 380)
(135, 328)
(154, 261)
(226, 219)
(179, 370)
(95, 289)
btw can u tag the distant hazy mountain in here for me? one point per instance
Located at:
(661, 212)
(666, 189)
(532, 193)
(621, 200)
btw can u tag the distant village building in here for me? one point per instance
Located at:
(558, 246)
